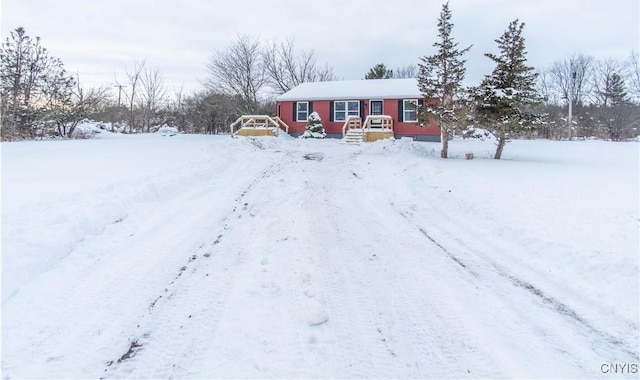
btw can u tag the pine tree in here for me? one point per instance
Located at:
(505, 99)
(615, 115)
(441, 78)
(615, 91)
(314, 127)
(379, 71)
(28, 76)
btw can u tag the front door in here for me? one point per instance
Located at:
(375, 107)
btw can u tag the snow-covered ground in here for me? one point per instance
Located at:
(210, 257)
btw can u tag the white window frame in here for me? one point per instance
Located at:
(376, 100)
(346, 109)
(405, 110)
(298, 111)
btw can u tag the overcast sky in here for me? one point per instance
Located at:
(98, 38)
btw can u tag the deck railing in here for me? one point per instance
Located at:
(371, 123)
(352, 122)
(259, 121)
(282, 124)
(374, 122)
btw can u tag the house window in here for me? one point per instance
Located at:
(409, 110)
(344, 109)
(302, 111)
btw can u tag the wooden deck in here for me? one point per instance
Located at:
(258, 125)
(374, 128)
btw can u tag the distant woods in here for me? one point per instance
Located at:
(380, 71)
(39, 98)
(604, 96)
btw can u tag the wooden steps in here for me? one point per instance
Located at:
(354, 136)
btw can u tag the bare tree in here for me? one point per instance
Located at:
(134, 75)
(152, 94)
(545, 87)
(93, 99)
(408, 71)
(177, 110)
(76, 106)
(286, 69)
(571, 78)
(239, 70)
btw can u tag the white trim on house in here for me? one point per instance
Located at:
(405, 110)
(347, 112)
(298, 112)
(354, 89)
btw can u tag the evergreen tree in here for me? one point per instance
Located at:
(28, 78)
(615, 115)
(314, 127)
(379, 71)
(504, 101)
(615, 92)
(441, 78)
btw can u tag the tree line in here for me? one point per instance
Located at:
(577, 97)
(38, 97)
(604, 96)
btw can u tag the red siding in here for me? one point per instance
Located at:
(322, 107)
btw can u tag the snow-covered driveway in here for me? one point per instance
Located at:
(218, 258)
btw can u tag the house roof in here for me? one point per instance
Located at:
(354, 89)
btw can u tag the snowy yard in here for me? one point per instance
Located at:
(211, 257)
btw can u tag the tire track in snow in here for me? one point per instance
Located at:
(400, 303)
(94, 282)
(83, 219)
(362, 307)
(357, 306)
(483, 276)
(283, 330)
(550, 301)
(207, 274)
(105, 267)
(480, 259)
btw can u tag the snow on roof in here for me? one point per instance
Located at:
(354, 89)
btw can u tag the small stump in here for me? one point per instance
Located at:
(469, 156)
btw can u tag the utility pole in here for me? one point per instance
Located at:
(119, 92)
(572, 78)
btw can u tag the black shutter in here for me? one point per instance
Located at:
(331, 110)
(295, 114)
(362, 116)
(420, 102)
(400, 111)
(310, 107)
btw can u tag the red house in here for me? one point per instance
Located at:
(338, 101)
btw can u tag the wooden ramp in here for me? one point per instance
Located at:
(257, 125)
